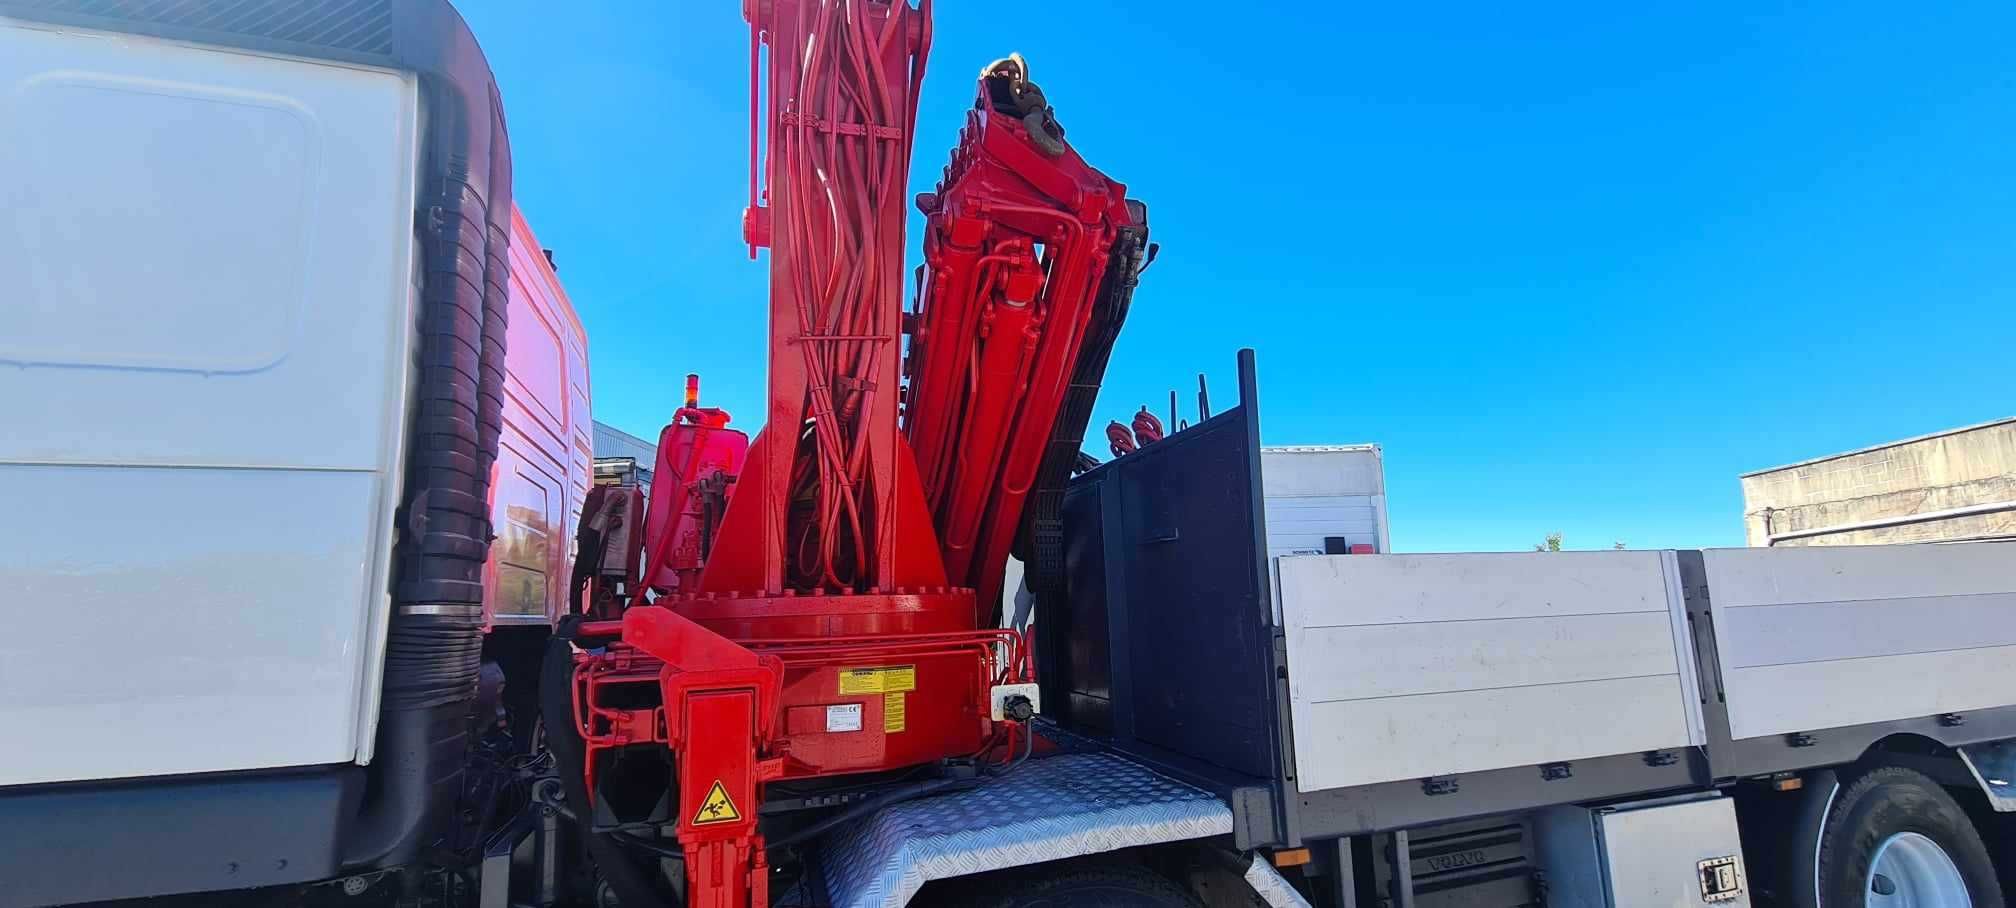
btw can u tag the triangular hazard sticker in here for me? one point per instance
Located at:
(716, 808)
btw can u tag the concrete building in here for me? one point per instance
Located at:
(1948, 486)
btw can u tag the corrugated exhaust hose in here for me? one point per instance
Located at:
(434, 643)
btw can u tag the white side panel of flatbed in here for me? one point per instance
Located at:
(1826, 637)
(1406, 666)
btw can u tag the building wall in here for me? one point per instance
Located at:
(1972, 467)
(613, 442)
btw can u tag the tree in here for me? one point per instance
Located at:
(1553, 543)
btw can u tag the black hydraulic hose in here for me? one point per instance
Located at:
(864, 808)
(643, 844)
(906, 793)
(563, 739)
(1028, 750)
(592, 547)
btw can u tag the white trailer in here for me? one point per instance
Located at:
(1324, 499)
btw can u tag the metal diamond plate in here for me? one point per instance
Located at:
(1048, 809)
(1275, 891)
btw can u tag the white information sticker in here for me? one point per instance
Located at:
(844, 717)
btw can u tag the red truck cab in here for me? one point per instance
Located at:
(545, 456)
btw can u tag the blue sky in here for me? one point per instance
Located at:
(1574, 266)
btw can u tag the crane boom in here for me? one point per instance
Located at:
(1030, 257)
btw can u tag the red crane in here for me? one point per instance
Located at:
(818, 606)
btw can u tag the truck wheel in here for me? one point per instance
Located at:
(1895, 839)
(1115, 885)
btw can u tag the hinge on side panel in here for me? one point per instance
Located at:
(1661, 758)
(1555, 772)
(1952, 720)
(1439, 786)
(1710, 655)
(1800, 739)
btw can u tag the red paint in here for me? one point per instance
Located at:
(543, 468)
(1015, 245)
(833, 503)
(718, 713)
(946, 705)
(747, 618)
(718, 850)
(1147, 429)
(842, 571)
(946, 714)
(743, 712)
(699, 458)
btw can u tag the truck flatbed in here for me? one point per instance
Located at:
(1053, 807)
(1399, 690)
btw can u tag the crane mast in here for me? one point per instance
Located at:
(837, 507)
(817, 607)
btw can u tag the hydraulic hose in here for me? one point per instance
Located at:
(864, 808)
(899, 795)
(563, 738)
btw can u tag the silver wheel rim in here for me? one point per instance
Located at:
(1912, 871)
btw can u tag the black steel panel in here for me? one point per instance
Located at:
(86, 842)
(1185, 533)
(1073, 654)
(1163, 641)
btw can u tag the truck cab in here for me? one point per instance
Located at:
(261, 268)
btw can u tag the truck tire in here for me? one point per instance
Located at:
(1893, 837)
(1114, 885)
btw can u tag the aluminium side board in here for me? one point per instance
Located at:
(1395, 691)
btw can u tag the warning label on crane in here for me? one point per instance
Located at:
(892, 713)
(716, 808)
(881, 679)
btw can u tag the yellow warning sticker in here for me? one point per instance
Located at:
(892, 712)
(716, 808)
(881, 679)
